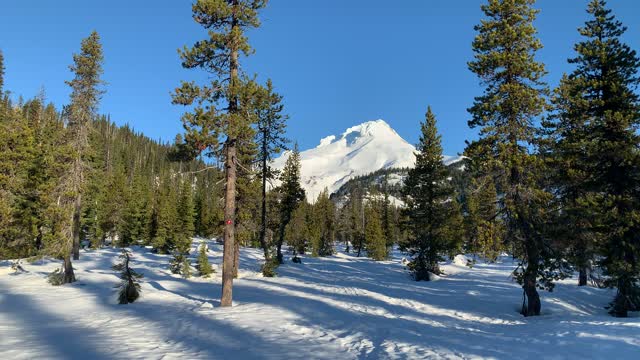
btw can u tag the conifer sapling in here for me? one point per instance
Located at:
(129, 285)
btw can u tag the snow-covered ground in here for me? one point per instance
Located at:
(339, 307)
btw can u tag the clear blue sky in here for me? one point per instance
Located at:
(337, 62)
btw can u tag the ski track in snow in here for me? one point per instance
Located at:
(340, 307)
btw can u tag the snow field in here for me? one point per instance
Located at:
(340, 307)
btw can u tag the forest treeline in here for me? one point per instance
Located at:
(553, 178)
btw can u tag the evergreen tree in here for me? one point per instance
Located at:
(483, 228)
(204, 268)
(226, 22)
(209, 216)
(374, 235)
(165, 218)
(111, 211)
(85, 96)
(455, 226)
(136, 216)
(247, 225)
(292, 194)
(388, 223)
(16, 142)
(184, 230)
(186, 214)
(355, 206)
(323, 231)
(271, 127)
(595, 144)
(428, 197)
(514, 96)
(297, 230)
(129, 287)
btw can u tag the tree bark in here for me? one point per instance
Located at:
(69, 275)
(279, 254)
(236, 259)
(231, 175)
(533, 298)
(263, 225)
(229, 226)
(582, 278)
(77, 212)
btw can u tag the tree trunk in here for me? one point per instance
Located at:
(263, 225)
(533, 304)
(582, 278)
(236, 259)
(229, 226)
(69, 275)
(279, 253)
(231, 176)
(77, 212)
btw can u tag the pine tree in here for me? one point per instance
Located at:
(428, 197)
(129, 286)
(111, 212)
(247, 225)
(455, 226)
(184, 230)
(226, 22)
(297, 230)
(204, 268)
(208, 209)
(514, 96)
(135, 217)
(186, 213)
(374, 234)
(388, 224)
(595, 143)
(292, 194)
(85, 96)
(483, 228)
(323, 233)
(270, 138)
(16, 142)
(355, 209)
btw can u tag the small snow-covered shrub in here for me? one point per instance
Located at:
(56, 278)
(204, 268)
(269, 267)
(16, 266)
(129, 286)
(180, 265)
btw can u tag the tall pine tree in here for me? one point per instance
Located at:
(374, 234)
(428, 197)
(216, 110)
(595, 143)
(270, 132)
(514, 96)
(292, 194)
(324, 227)
(79, 114)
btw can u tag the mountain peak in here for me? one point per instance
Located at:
(359, 150)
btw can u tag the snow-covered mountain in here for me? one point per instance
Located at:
(360, 150)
